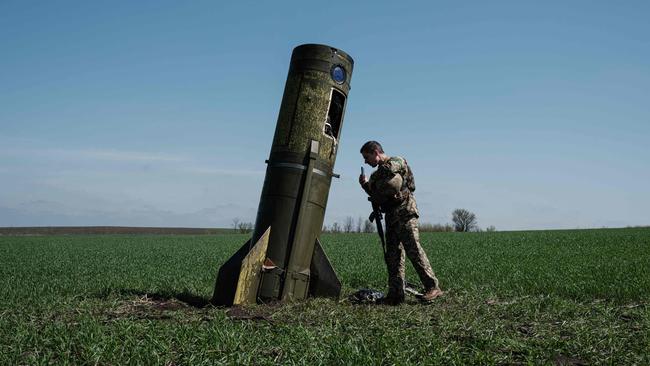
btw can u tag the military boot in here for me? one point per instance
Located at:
(390, 300)
(431, 294)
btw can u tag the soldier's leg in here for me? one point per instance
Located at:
(409, 235)
(394, 263)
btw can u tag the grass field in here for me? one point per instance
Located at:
(542, 297)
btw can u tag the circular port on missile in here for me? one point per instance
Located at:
(338, 74)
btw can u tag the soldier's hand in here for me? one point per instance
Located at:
(362, 179)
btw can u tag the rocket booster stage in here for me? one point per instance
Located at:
(284, 259)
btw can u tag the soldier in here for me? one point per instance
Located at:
(392, 186)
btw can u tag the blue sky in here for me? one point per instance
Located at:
(533, 115)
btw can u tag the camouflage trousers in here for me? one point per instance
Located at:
(403, 235)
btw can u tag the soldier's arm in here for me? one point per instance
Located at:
(366, 187)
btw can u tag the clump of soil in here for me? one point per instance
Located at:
(145, 307)
(256, 313)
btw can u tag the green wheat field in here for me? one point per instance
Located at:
(575, 297)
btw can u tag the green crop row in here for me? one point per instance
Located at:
(575, 296)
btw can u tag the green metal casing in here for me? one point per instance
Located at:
(300, 167)
(296, 187)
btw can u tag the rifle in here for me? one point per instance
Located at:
(376, 217)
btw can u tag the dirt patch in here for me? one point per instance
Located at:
(255, 314)
(497, 302)
(145, 307)
(567, 360)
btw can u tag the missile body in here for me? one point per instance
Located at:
(284, 260)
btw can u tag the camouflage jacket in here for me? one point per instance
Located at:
(392, 186)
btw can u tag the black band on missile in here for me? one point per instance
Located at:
(299, 167)
(287, 165)
(318, 65)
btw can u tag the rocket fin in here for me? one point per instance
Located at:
(323, 281)
(239, 278)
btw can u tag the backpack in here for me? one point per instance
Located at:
(408, 179)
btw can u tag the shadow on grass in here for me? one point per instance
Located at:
(185, 297)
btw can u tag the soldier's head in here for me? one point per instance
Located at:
(372, 153)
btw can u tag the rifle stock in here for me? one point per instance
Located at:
(377, 217)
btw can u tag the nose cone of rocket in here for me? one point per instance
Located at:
(320, 51)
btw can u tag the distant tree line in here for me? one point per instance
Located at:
(350, 225)
(243, 227)
(462, 220)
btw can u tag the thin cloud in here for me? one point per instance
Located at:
(185, 164)
(231, 172)
(136, 156)
(95, 154)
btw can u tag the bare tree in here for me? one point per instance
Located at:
(245, 227)
(464, 220)
(235, 223)
(359, 224)
(336, 228)
(348, 225)
(368, 227)
(491, 228)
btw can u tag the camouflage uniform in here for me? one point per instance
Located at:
(392, 186)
